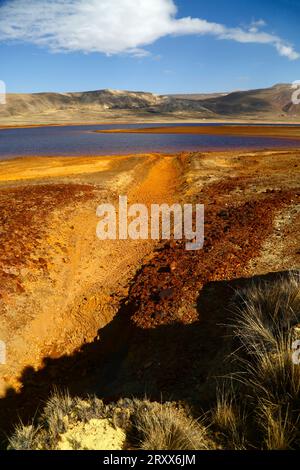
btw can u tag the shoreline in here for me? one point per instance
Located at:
(109, 158)
(162, 121)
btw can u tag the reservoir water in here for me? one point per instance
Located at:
(82, 140)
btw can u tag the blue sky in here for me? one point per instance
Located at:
(147, 45)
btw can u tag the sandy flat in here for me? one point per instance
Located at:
(45, 167)
(234, 130)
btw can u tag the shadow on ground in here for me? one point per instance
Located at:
(177, 362)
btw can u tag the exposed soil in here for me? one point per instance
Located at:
(263, 131)
(151, 320)
(97, 434)
(59, 283)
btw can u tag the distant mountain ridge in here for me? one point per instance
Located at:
(108, 105)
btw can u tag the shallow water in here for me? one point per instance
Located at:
(81, 140)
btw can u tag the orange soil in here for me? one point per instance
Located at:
(161, 333)
(59, 283)
(264, 131)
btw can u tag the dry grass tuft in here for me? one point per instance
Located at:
(24, 438)
(279, 430)
(163, 427)
(229, 420)
(55, 417)
(265, 327)
(60, 413)
(267, 313)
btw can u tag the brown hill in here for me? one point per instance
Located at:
(274, 102)
(111, 105)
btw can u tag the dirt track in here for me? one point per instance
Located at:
(61, 290)
(59, 283)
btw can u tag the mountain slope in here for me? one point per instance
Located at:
(270, 101)
(112, 105)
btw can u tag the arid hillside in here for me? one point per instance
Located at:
(96, 106)
(271, 104)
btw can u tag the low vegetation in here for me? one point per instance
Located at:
(257, 404)
(163, 427)
(131, 424)
(267, 321)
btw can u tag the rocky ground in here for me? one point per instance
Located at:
(129, 318)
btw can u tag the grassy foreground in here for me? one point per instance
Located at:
(256, 407)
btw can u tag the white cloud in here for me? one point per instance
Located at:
(115, 26)
(255, 25)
